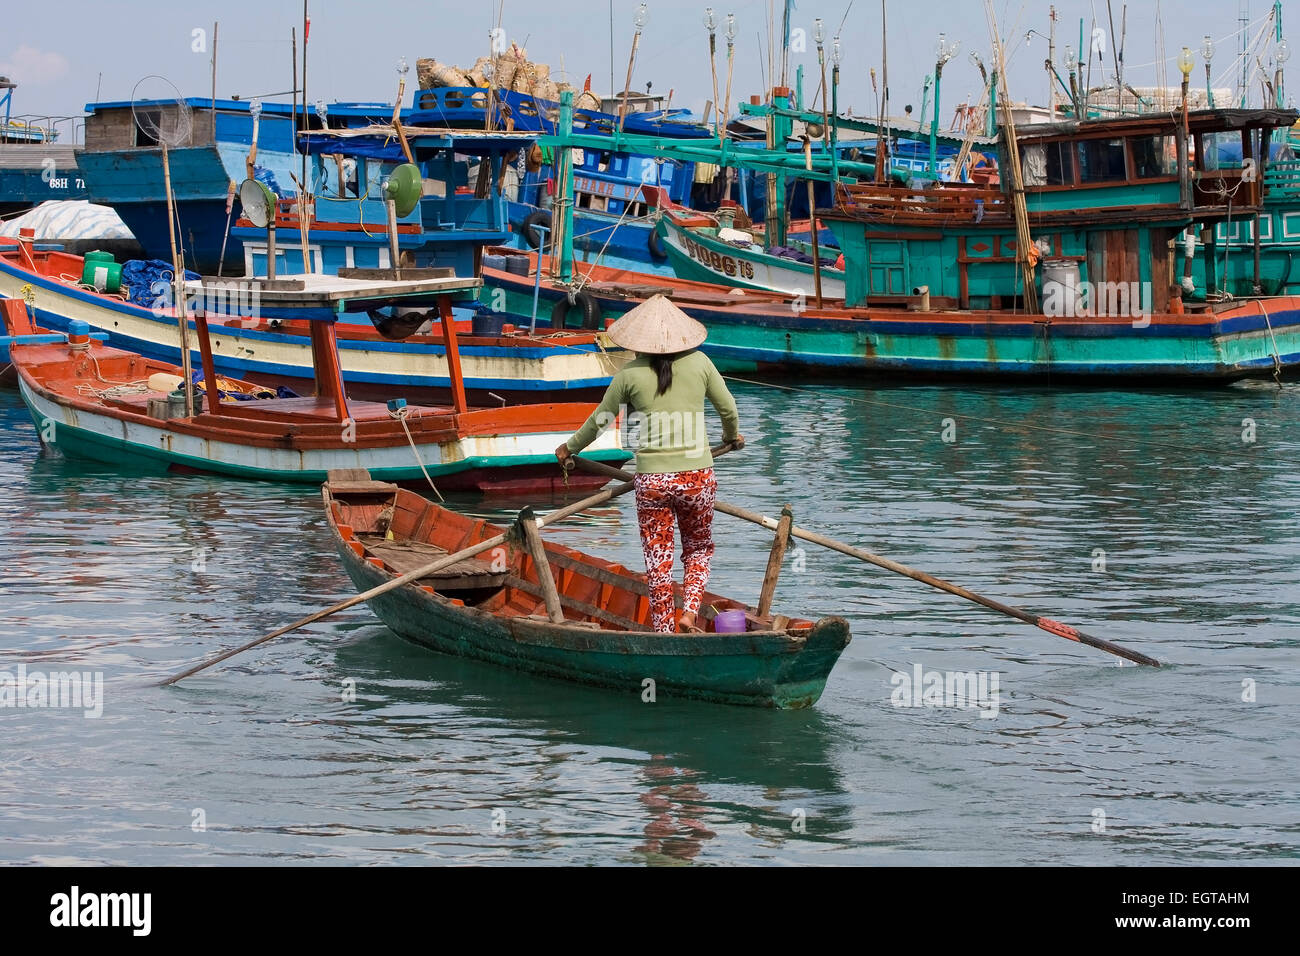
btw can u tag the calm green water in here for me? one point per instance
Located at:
(1201, 540)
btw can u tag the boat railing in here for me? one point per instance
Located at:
(948, 203)
(1282, 178)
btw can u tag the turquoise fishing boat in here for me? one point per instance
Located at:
(935, 272)
(707, 247)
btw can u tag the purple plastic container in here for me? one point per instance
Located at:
(729, 622)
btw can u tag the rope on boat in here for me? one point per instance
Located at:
(400, 414)
(583, 235)
(586, 280)
(1277, 357)
(115, 389)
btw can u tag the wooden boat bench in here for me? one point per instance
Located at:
(472, 574)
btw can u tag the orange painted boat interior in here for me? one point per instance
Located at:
(372, 516)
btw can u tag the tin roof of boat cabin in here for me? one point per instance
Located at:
(1198, 121)
(242, 104)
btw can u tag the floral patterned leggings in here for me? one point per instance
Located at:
(688, 496)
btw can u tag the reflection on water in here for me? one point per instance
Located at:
(1157, 527)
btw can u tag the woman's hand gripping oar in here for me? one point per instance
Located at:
(1046, 623)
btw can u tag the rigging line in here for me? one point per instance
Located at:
(627, 206)
(1253, 49)
(989, 421)
(1231, 36)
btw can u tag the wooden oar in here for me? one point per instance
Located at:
(432, 568)
(1046, 623)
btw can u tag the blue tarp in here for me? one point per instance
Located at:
(146, 280)
(267, 178)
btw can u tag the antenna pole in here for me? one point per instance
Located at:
(882, 133)
(214, 80)
(306, 116)
(178, 287)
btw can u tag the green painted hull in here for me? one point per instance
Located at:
(1233, 344)
(757, 669)
(1234, 264)
(699, 255)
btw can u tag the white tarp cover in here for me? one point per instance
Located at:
(68, 219)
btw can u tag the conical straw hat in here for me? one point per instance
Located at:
(657, 327)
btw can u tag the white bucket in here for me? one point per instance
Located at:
(1061, 288)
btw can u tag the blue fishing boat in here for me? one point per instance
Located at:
(390, 349)
(121, 163)
(611, 217)
(36, 163)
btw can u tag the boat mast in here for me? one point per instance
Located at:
(785, 44)
(882, 137)
(1243, 22)
(563, 247)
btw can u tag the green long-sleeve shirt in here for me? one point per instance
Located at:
(671, 429)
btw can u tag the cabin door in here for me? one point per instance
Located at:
(887, 268)
(1113, 256)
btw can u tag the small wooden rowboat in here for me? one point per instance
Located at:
(494, 608)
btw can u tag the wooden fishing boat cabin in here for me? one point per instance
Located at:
(1106, 201)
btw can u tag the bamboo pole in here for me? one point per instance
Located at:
(631, 62)
(812, 220)
(1023, 238)
(712, 24)
(178, 286)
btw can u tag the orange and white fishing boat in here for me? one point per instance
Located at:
(92, 400)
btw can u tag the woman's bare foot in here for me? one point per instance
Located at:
(688, 625)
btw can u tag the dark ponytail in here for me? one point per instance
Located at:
(663, 369)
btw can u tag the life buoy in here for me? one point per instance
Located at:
(656, 246)
(591, 318)
(529, 228)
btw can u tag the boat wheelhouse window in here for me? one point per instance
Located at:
(338, 176)
(1048, 164)
(1154, 156)
(1060, 164)
(1033, 160)
(373, 175)
(147, 123)
(1221, 150)
(1101, 160)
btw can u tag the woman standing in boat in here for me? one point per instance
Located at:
(663, 390)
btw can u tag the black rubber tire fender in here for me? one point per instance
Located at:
(529, 228)
(586, 304)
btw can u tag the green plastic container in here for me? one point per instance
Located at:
(102, 272)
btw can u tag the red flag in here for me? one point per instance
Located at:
(586, 87)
